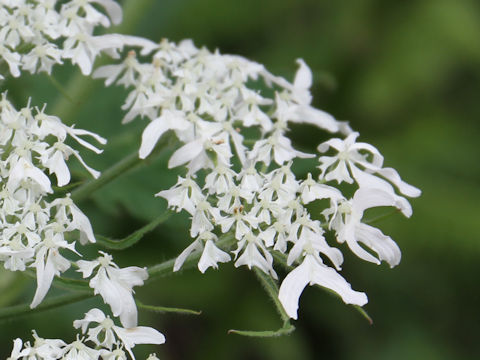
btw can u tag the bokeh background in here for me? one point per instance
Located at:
(406, 74)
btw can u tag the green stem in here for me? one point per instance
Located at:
(381, 217)
(121, 167)
(24, 309)
(85, 190)
(271, 288)
(286, 329)
(61, 89)
(163, 309)
(77, 285)
(133, 238)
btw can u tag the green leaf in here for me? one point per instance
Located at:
(133, 238)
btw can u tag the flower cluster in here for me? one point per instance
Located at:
(34, 225)
(239, 159)
(105, 341)
(37, 34)
(231, 118)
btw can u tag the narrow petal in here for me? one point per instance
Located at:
(383, 245)
(45, 274)
(292, 287)
(138, 335)
(392, 176)
(303, 77)
(327, 277)
(186, 153)
(150, 136)
(193, 247)
(114, 10)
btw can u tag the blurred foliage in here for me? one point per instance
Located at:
(406, 74)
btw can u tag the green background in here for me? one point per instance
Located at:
(405, 74)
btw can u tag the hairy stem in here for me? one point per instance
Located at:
(133, 238)
(24, 309)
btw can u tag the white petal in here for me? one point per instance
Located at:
(292, 287)
(93, 315)
(327, 277)
(394, 178)
(319, 118)
(114, 10)
(131, 276)
(87, 267)
(193, 247)
(116, 295)
(82, 223)
(349, 235)
(138, 335)
(45, 274)
(157, 128)
(366, 180)
(56, 164)
(303, 77)
(366, 198)
(383, 245)
(150, 136)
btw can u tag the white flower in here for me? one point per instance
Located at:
(69, 214)
(311, 190)
(115, 286)
(307, 236)
(252, 257)
(185, 194)
(194, 153)
(350, 154)
(277, 147)
(48, 262)
(211, 255)
(204, 218)
(17, 351)
(82, 49)
(44, 348)
(107, 332)
(350, 229)
(24, 170)
(312, 271)
(77, 350)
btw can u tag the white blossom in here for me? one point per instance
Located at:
(107, 333)
(115, 285)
